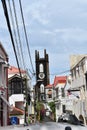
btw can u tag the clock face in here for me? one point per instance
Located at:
(41, 75)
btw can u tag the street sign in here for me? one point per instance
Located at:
(14, 120)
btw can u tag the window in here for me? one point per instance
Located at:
(49, 93)
(41, 69)
(62, 92)
(15, 86)
(57, 92)
(42, 97)
(42, 88)
(64, 108)
(50, 96)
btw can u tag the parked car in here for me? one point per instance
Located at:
(70, 118)
(70, 122)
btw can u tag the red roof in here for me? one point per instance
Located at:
(17, 111)
(15, 70)
(49, 86)
(59, 79)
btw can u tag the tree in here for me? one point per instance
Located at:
(40, 110)
(52, 107)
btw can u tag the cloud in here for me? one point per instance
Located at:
(36, 15)
(49, 14)
(59, 26)
(36, 12)
(73, 34)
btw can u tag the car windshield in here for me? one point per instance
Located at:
(70, 118)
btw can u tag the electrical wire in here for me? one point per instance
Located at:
(14, 31)
(10, 31)
(20, 43)
(26, 36)
(20, 59)
(62, 72)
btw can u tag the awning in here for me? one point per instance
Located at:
(6, 102)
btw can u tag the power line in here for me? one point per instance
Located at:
(18, 32)
(26, 35)
(62, 72)
(10, 31)
(21, 57)
(14, 31)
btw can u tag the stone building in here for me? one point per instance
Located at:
(42, 75)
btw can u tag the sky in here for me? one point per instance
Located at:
(59, 26)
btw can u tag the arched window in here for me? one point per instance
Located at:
(41, 68)
(42, 88)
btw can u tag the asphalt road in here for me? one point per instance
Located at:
(46, 124)
(37, 126)
(42, 126)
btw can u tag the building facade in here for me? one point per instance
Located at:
(4, 105)
(78, 69)
(49, 92)
(19, 93)
(59, 90)
(42, 75)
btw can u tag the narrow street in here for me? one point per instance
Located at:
(43, 65)
(37, 126)
(43, 126)
(46, 124)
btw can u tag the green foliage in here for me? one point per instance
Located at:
(52, 106)
(39, 106)
(29, 120)
(40, 110)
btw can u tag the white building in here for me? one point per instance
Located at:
(78, 69)
(59, 86)
(20, 95)
(49, 92)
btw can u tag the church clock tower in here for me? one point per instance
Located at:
(42, 75)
